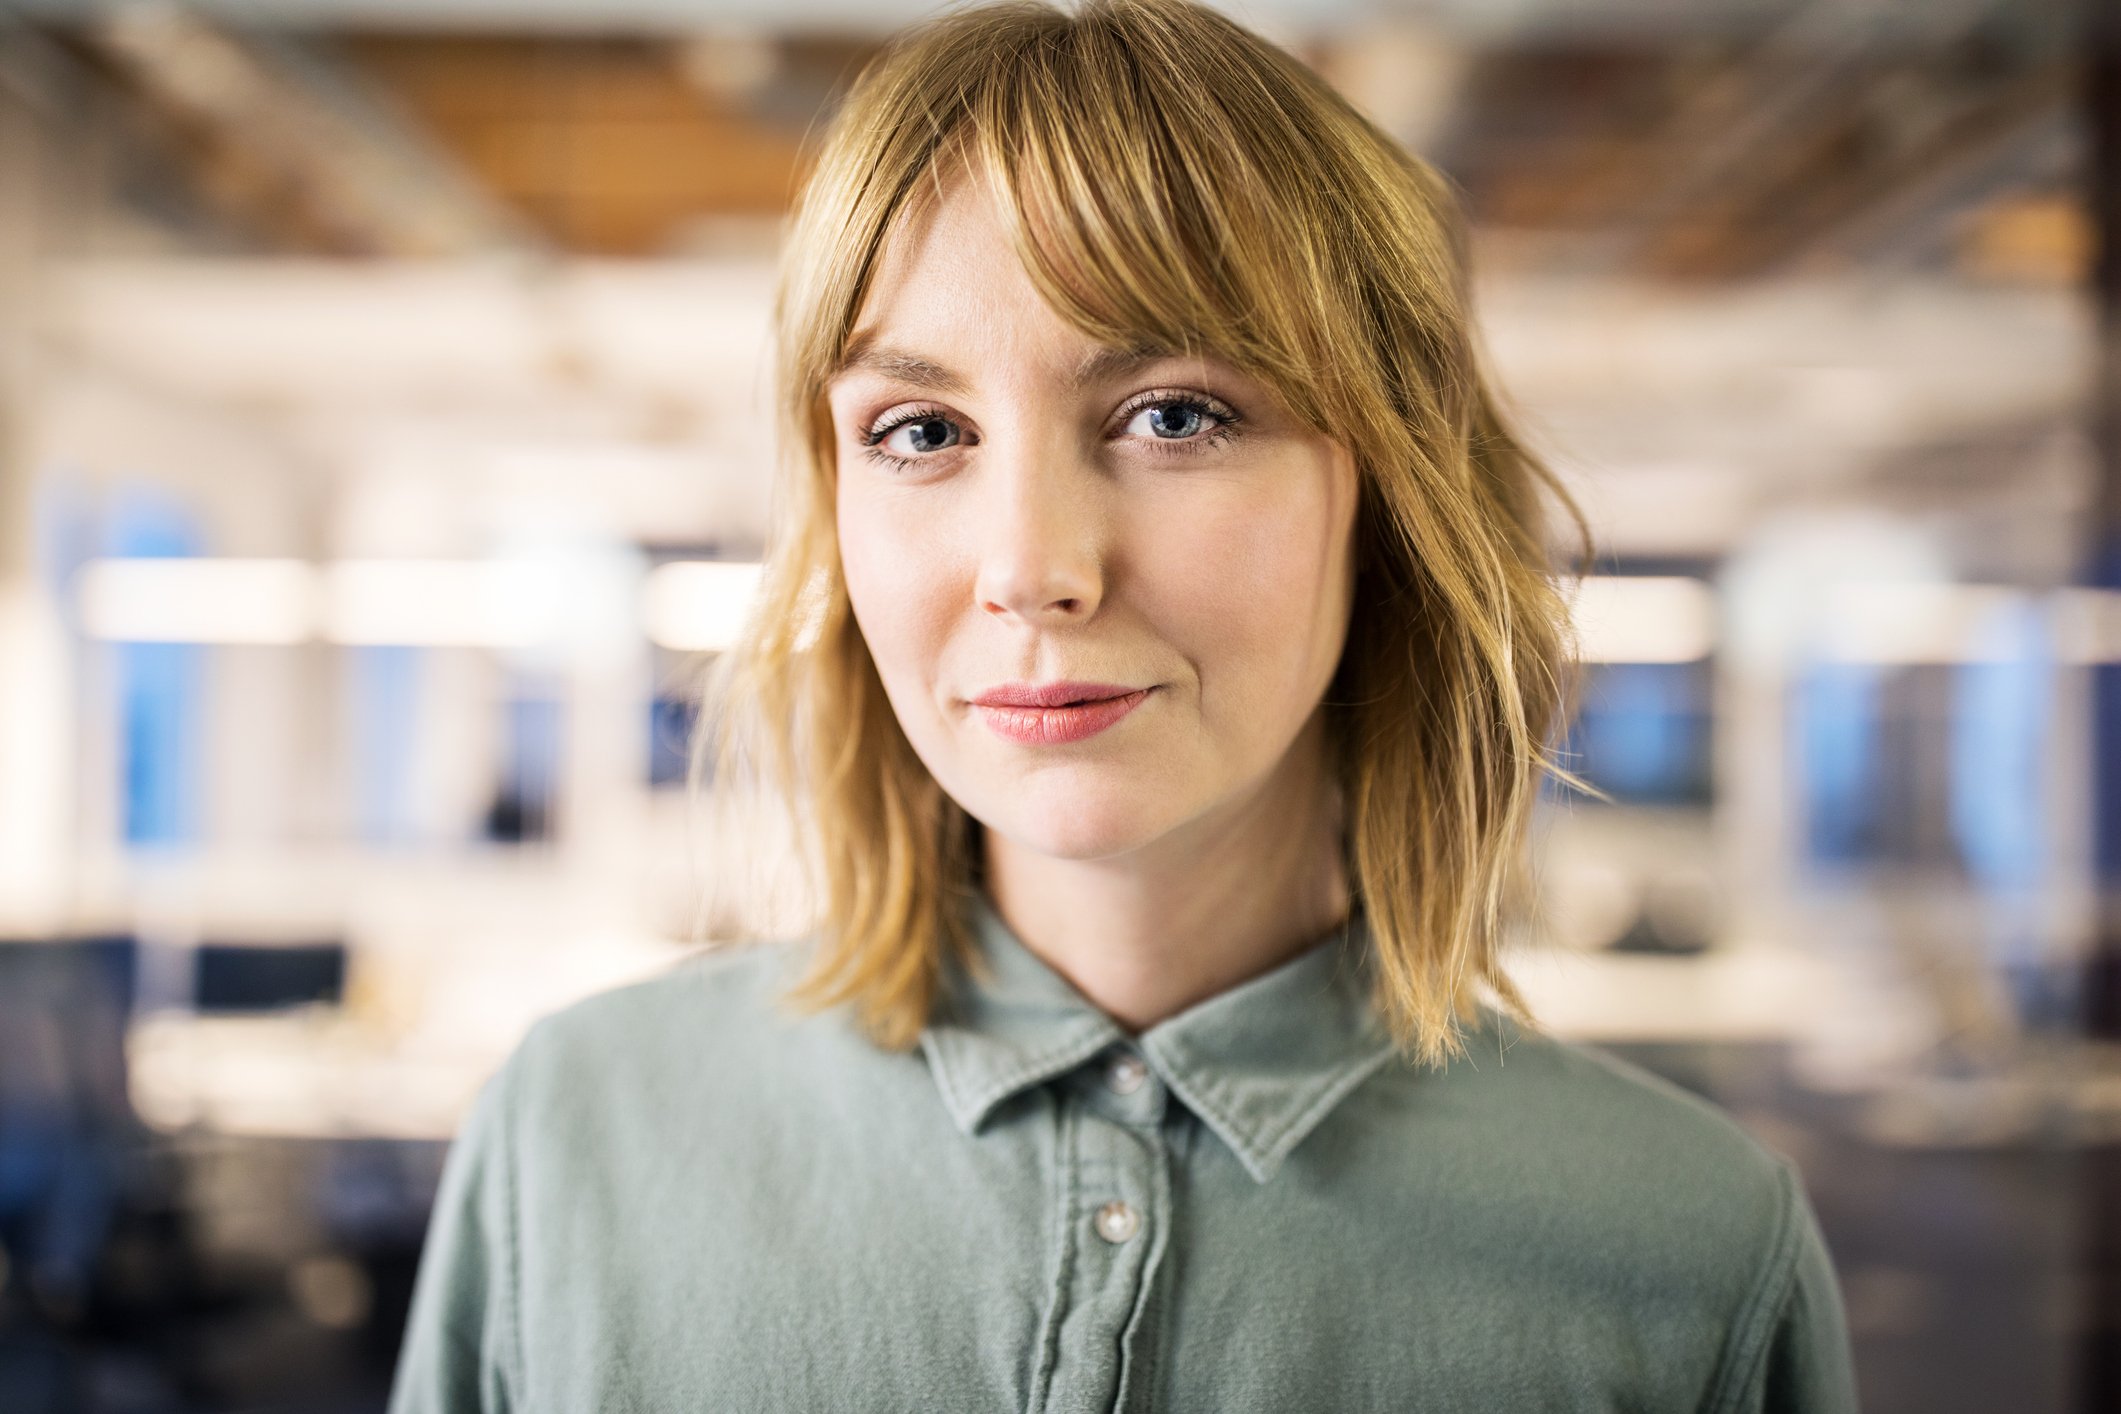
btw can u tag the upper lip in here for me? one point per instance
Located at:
(1050, 694)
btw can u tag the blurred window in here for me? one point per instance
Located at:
(670, 724)
(1874, 744)
(159, 685)
(384, 683)
(533, 722)
(1643, 732)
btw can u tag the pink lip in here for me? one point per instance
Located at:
(1050, 694)
(1054, 726)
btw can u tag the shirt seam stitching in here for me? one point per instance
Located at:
(513, 1367)
(1203, 1092)
(1263, 1145)
(1064, 1274)
(1335, 1090)
(1764, 1307)
(1137, 1390)
(1014, 1077)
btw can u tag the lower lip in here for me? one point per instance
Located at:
(1056, 726)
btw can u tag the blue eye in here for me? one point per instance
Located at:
(1174, 419)
(925, 432)
(1191, 419)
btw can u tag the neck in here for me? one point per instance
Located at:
(1234, 894)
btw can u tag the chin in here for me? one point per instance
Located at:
(1063, 824)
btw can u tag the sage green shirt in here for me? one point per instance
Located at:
(675, 1197)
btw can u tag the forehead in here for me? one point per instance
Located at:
(953, 220)
(950, 292)
(950, 273)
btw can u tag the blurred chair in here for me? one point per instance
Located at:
(252, 977)
(67, 1127)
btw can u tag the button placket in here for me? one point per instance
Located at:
(1121, 1085)
(1114, 1144)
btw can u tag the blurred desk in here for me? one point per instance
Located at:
(1739, 990)
(304, 1074)
(403, 1059)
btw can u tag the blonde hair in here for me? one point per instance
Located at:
(1175, 181)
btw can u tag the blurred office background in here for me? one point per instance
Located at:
(384, 447)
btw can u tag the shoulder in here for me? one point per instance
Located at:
(1560, 1178)
(710, 1042)
(1551, 1102)
(630, 1050)
(708, 996)
(1610, 1163)
(1694, 1205)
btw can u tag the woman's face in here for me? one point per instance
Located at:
(1020, 507)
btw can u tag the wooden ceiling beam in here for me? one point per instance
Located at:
(324, 171)
(611, 146)
(1815, 145)
(1861, 179)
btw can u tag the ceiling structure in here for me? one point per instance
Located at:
(1730, 140)
(875, 17)
(1685, 183)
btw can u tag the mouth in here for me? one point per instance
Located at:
(1054, 694)
(1061, 722)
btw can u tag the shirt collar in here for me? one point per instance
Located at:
(1261, 1063)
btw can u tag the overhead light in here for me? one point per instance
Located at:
(1644, 619)
(557, 604)
(198, 600)
(699, 606)
(2087, 626)
(1910, 622)
(439, 603)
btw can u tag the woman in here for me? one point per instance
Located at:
(1160, 651)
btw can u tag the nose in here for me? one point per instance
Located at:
(1041, 558)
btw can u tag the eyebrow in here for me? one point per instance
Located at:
(863, 352)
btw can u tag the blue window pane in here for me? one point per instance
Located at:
(1838, 711)
(522, 807)
(670, 724)
(159, 687)
(2003, 710)
(385, 686)
(1642, 732)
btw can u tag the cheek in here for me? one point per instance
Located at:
(1260, 585)
(896, 574)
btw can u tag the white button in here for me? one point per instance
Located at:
(1116, 1222)
(1126, 1073)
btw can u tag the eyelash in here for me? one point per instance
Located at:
(1224, 430)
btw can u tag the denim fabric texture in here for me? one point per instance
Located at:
(675, 1196)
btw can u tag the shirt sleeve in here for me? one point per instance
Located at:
(1794, 1358)
(459, 1352)
(1809, 1369)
